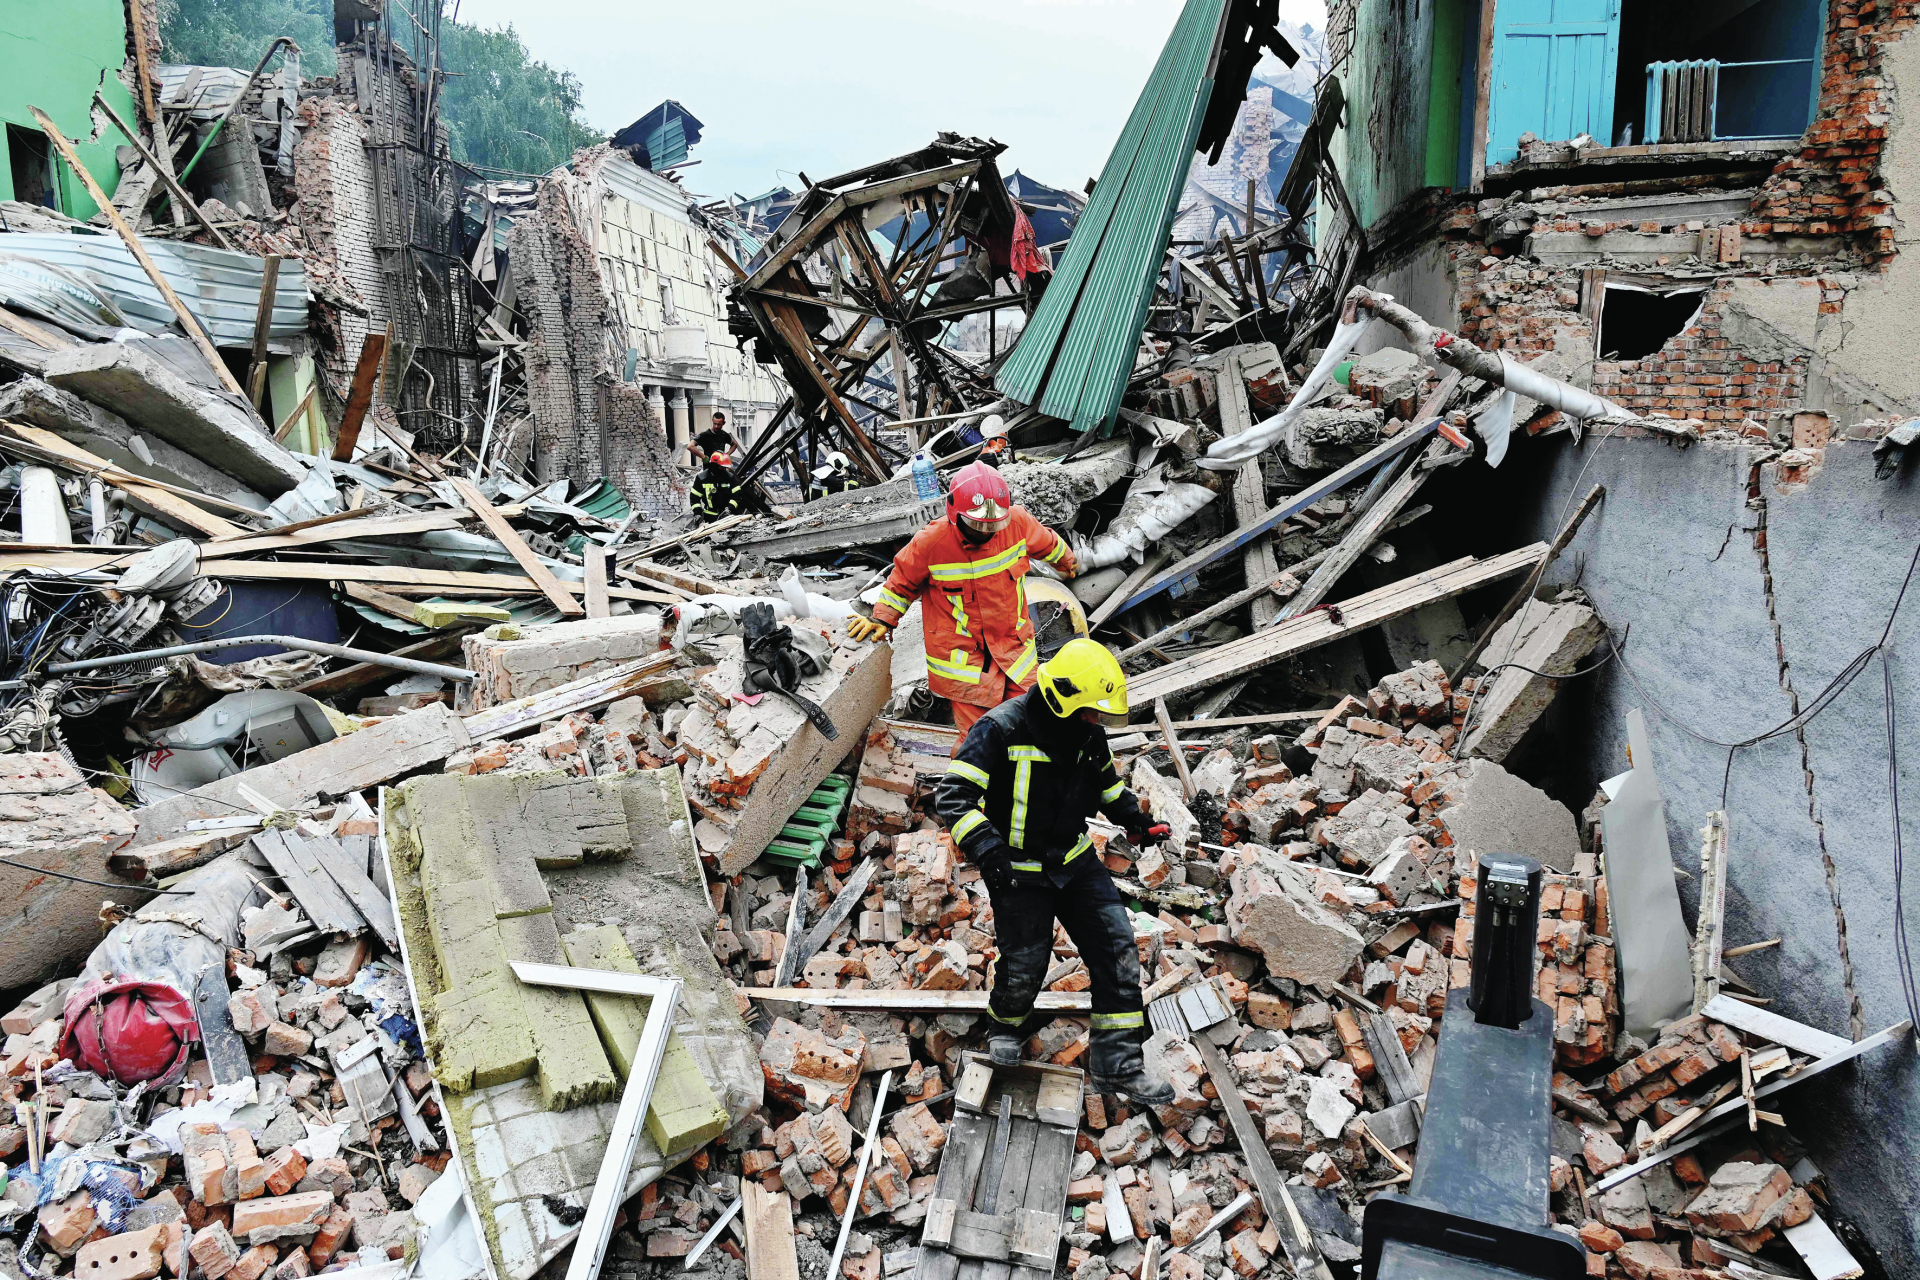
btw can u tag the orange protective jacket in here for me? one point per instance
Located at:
(974, 605)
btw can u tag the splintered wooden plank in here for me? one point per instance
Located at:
(330, 910)
(1310, 630)
(1046, 1193)
(959, 1166)
(1771, 1026)
(346, 861)
(366, 373)
(516, 546)
(1302, 1254)
(168, 504)
(768, 1218)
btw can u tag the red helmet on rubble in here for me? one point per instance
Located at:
(979, 498)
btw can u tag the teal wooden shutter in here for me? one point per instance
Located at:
(1553, 72)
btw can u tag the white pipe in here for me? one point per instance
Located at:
(1228, 453)
(1137, 528)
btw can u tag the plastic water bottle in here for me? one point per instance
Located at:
(926, 482)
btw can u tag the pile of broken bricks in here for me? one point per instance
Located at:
(312, 1168)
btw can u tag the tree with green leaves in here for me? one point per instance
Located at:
(504, 108)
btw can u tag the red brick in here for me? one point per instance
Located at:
(134, 1255)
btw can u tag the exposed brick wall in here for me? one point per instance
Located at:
(562, 296)
(1833, 186)
(1701, 374)
(334, 185)
(1521, 307)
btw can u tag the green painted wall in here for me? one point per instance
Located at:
(53, 54)
(1444, 91)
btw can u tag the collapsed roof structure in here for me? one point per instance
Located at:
(364, 675)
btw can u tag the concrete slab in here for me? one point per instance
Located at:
(1495, 812)
(1549, 638)
(105, 433)
(50, 818)
(121, 377)
(540, 658)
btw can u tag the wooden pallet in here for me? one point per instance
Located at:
(1000, 1200)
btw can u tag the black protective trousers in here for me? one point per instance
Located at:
(1089, 907)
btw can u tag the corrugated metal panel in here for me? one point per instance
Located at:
(213, 88)
(1075, 356)
(222, 289)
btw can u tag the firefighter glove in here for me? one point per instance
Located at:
(994, 869)
(861, 628)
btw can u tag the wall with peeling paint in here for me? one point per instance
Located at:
(1731, 633)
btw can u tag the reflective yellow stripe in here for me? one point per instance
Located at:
(959, 615)
(1011, 1022)
(1118, 1021)
(968, 822)
(972, 773)
(1025, 866)
(894, 600)
(956, 669)
(965, 570)
(1112, 793)
(1021, 668)
(1085, 843)
(1022, 777)
(1028, 753)
(1058, 553)
(1020, 618)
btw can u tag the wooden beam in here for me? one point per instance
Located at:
(262, 328)
(517, 548)
(1771, 1026)
(132, 241)
(285, 429)
(1482, 97)
(38, 334)
(1173, 746)
(1365, 532)
(1227, 722)
(1310, 630)
(908, 1001)
(346, 524)
(1295, 1238)
(156, 121)
(1187, 571)
(366, 375)
(1709, 932)
(1249, 489)
(768, 1218)
(1115, 602)
(161, 499)
(181, 200)
(378, 599)
(595, 557)
(450, 581)
(1524, 592)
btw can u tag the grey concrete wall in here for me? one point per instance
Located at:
(1672, 551)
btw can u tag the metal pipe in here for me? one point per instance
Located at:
(290, 642)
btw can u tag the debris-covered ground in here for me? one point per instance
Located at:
(431, 850)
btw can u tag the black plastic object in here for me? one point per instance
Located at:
(1477, 1205)
(1506, 914)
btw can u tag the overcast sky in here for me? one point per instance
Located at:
(828, 85)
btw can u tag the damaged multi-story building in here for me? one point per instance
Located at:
(613, 268)
(1698, 215)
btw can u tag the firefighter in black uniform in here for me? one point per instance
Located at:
(835, 477)
(1016, 799)
(713, 493)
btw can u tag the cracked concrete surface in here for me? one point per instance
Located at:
(1704, 648)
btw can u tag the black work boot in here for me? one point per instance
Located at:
(1137, 1085)
(1004, 1048)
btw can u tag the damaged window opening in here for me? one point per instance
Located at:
(1636, 322)
(30, 167)
(1632, 72)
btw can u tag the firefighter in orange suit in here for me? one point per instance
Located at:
(968, 569)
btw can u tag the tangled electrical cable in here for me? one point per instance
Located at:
(1903, 956)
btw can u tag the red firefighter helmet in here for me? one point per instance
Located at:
(722, 459)
(979, 498)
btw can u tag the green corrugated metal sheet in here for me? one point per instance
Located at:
(603, 499)
(1075, 356)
